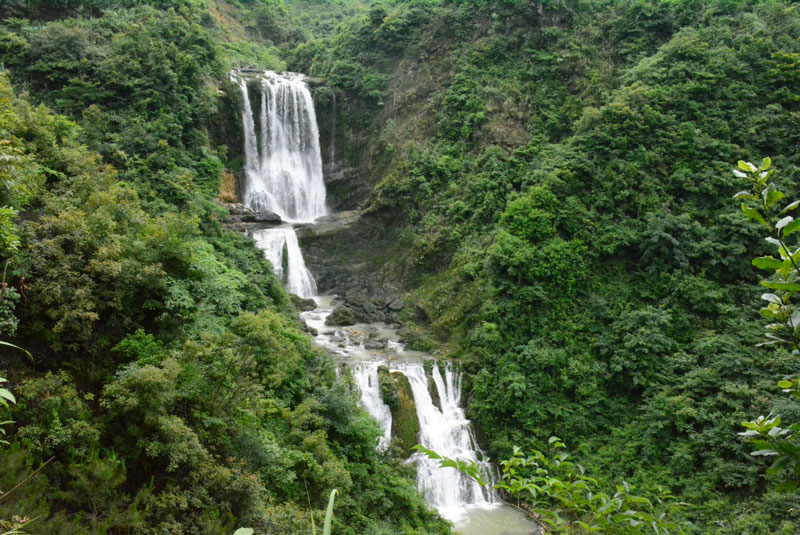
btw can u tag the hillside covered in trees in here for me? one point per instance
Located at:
(545, 183)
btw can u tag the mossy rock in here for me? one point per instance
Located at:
(388, 388)
(417, 340)
(432, 390)
(405, 423)
(301, 304)
(341, 316)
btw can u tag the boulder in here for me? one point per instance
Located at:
(308, 329)
(374, 344)
(396, 304)
(329, 224)
(262, 217)
(301, 304)
(341, 316)
(237, 208)
(405, 423)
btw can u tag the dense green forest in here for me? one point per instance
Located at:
(549, 181)
(559, 182)
(170, 384)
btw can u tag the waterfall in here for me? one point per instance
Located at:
(443, 426)
(282, 168)
(297, 278)
(449, 433)
(366, 378)
(282, 160)
(283, 174)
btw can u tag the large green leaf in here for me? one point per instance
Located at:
(773, 196)
(790, 207)
(783, 286)
(752, 213)
(791, 228)
(6, 397)
(744, 194)
(326, 528)
(783, 222)
(747, 166)
(17, 347)
(767, 262)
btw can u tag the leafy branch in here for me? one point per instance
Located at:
(6, 399)
(760, 204)
(555, 492)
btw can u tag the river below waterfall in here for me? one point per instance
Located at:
(443, 427)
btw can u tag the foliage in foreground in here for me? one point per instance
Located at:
(764, 203)
(555, 492)
(172, 384)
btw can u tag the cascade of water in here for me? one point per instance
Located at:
(366, 378)
(283, 174)
(274, 241)
(282, 168)
(449, 433)
(283, 164)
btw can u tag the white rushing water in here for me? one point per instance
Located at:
(279, 245)
(447, 432)
(365, 375)
(283, 164)
(282, 168)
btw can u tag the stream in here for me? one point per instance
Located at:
(446, 431)
(283, 175)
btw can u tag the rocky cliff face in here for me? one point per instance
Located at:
(348, 255)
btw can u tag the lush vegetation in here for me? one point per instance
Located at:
(557, 175)
(762, 203)
(551, 178)
(171, 388)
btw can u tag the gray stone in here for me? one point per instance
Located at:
(237, 208)
(329, 224)
(308, 329)
(373, 345)
(341, 316)
(303, 305)
(262, 217)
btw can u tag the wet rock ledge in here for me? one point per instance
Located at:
(243, 219)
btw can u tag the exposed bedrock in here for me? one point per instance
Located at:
(349, 260)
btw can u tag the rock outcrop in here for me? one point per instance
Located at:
(243, 219)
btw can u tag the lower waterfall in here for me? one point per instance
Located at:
(443, 426)
(447, 432)
(365, 376)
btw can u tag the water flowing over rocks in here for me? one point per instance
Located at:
(283, 200)
(282, 250)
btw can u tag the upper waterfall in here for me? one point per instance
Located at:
(282, 160)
